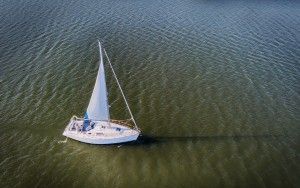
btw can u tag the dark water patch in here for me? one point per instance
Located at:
(151, 140)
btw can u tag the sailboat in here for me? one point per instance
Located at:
(96, 127)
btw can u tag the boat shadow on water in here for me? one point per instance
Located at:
(147, 140)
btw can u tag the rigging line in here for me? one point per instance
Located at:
(135, 125)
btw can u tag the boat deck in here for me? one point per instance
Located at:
(100, 130)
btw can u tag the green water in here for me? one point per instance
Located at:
(213, 85)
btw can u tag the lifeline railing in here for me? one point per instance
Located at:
(125, 122)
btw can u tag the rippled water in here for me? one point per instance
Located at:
(214, 86)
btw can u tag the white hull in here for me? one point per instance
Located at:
(102, 133)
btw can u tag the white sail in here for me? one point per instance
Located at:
(98, 106)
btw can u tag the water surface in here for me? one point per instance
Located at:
(214, 86)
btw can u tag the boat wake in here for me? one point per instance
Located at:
(62, 141)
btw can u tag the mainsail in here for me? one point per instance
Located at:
(98, 106)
